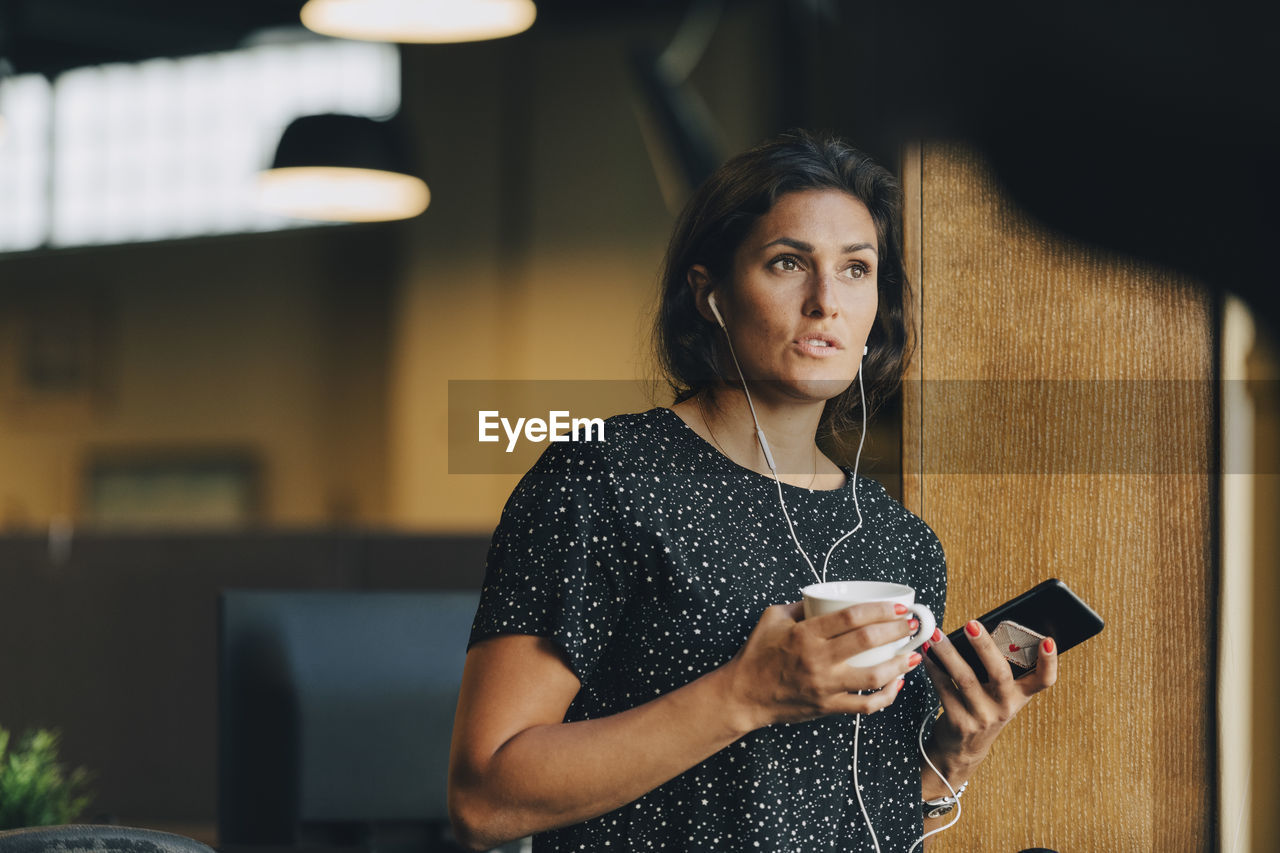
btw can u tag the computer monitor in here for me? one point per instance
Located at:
(335, 714)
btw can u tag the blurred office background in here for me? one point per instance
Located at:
(197, 395)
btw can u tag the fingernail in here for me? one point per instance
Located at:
(972, 629)
(937, 635)
(925, 647)
(900, 609)
(913, 624)
(914, 660)
(1048, 645)
(901, 682)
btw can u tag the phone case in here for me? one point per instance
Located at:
(1018, 626)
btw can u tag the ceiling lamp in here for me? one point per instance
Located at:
(420, 21)
(342, 168)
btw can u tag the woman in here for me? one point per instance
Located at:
(635, 680)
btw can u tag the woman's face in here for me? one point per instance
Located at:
(803, 295)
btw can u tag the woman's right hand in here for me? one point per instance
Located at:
(793, 669)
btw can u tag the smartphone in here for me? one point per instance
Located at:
(1018, 626)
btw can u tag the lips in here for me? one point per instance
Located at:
(819, 346)
(819, 340)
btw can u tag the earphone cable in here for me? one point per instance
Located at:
(959, 808)
(768, 458)
(862, 395)
(857, 722)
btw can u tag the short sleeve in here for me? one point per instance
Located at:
(556, 565)
(931, 573)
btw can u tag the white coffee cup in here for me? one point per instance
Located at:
(823, 598)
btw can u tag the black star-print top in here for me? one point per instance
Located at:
(647, 559)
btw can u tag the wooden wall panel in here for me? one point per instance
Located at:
(1059, 423)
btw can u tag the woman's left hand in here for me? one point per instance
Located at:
(977, 712)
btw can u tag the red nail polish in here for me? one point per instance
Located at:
(1048, 645)
(972, 629)
(924, 647)
(914, 660)
(901, 682)
(900, 609)
(913, 625)
(937, 635)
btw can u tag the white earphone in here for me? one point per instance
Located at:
(768, 454)
(711, 301)
(764, 446)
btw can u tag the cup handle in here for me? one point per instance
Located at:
(927, 625)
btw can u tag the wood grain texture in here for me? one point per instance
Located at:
(912, 248)
(1062, 427)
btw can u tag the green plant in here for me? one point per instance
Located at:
(33, 788)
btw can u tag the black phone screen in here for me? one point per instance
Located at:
(1049, 609)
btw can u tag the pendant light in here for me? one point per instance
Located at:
(419, 21)
(342, 168)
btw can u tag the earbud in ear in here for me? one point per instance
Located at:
(864, 350)
(711, 301)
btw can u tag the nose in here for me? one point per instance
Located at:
(822, 296)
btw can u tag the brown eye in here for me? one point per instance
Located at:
(787, 263)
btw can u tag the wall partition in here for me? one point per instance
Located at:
(1060, 422)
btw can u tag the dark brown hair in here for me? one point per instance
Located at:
(718, 218)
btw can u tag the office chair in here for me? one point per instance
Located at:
(86, 838)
